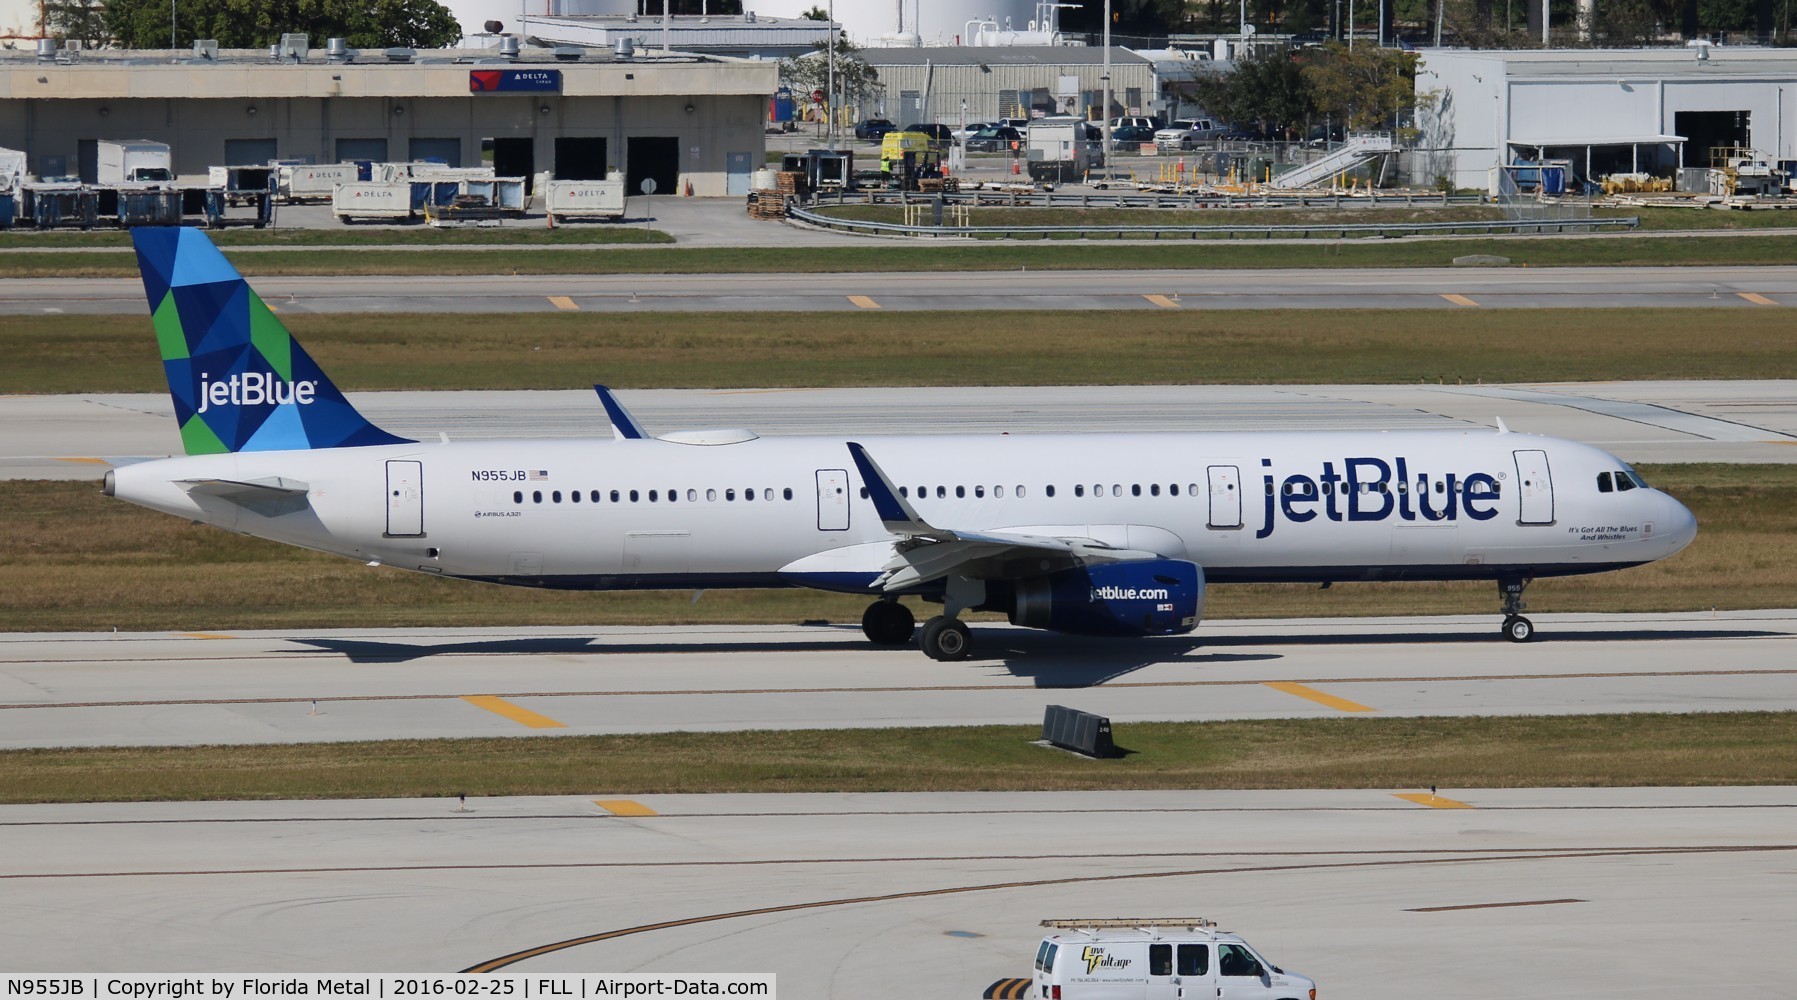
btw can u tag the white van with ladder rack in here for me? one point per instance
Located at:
(1156, 958)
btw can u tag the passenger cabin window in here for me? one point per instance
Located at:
(1079, 489)
(979, 491)
(788, 492)
(999, 492)
(1049, 490)
(614, 496)
(1194, 960)
(517, 496)
(1019, 492)
(556, 496)
(692, 496)
(942, 493)
(711, 496)
(1160, 960)
(594, 496)
(536, 496)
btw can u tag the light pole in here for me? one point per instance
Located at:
(830, 81)
(1105, 145)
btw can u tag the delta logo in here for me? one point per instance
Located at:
(483, 80)
(254, 389)
(1098, 958)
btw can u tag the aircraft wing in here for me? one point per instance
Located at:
(925, 552)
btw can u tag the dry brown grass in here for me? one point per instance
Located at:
(74, 560)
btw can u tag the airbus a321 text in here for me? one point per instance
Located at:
(1095, 534)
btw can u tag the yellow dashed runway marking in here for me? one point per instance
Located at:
(84, 461)
(864, 302)
(1340, 704)
(1756, 298)
(563, 303)
(522, 716)
(1162, 301)
(624, 807)
(1460, 300)
(1432, 801)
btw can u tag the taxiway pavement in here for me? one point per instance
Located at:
(65, 436)
(325, 685)
(1597, 893)
(960, 291)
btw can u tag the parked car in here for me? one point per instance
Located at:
(1131, 135)
(1186, 133)
(942, 134)
(972, 129)
(1138, 121)
(873, 128)
(1020, 124)
(994, 140)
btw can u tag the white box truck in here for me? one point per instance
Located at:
(1061, 151)
(134, 161)
(583, 200)
(1156, 958)
(12, 170)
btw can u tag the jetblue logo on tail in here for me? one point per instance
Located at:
(254, 389)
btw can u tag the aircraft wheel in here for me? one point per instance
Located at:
(888, 623)
(946, 639)
(1518, 629)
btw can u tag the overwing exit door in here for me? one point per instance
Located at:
(405, 499)
(832, 500)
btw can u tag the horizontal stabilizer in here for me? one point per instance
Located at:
(270, 497)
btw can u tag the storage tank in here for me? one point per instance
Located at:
(877, 23)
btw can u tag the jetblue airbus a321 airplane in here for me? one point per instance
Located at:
(1094, 534)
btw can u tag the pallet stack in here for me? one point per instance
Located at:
(767, 205)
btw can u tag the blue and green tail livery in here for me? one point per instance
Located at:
(240, 381)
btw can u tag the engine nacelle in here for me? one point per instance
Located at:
(1158, 597)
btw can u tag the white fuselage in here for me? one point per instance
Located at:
(631, 514)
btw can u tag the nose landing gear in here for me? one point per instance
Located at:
(1516, 628)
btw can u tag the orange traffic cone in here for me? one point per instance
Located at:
(689, 187)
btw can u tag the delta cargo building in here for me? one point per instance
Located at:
(575, 113)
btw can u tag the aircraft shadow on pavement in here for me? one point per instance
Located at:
(374, 651)
(1545, 636)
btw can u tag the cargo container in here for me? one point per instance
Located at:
(583, 200)
(372, 200)
(313, 182)
(133, 161)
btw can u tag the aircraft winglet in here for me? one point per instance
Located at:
(623, 426)
(895, 513)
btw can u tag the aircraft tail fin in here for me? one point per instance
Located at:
(239, 380)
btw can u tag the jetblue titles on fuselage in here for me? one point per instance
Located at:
(1375, 489)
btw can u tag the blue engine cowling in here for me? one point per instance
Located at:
(1158, 597)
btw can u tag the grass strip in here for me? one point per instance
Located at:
(59, 354)
(73, 560)
(360, 236)
(930, 256)
(1738, 748)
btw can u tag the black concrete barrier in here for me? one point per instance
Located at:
(1080, 732)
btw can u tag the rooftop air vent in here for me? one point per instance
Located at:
(295, 46)
(624, 48)
(569, 53)
(337, 50)
(508, 46)
(46, 49)
(398, 55)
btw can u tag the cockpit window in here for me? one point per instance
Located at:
(1633, 477)
(1625, 482)
(1603, 483)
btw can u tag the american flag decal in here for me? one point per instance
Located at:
(538, 474)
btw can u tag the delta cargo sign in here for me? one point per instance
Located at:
(514, 81)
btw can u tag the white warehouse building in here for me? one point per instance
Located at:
(1607, 111)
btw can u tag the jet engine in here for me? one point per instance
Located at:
(1153, 597)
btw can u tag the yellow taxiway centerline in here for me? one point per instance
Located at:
(520, 715)
(1340, 704)
(1432, 801)
(624, 807)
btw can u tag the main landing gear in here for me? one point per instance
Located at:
(946, 638)
(1516, 628)
(888, 623)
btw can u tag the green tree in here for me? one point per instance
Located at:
(1366, 87)
(81, 20)
(857, 83)
(1270, 90)
(252, 24)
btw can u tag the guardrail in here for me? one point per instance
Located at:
(1023, 198)
(1338, 231)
